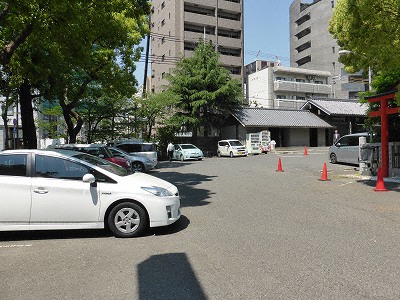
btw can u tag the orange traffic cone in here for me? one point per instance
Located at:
(324, 176)
(380, 184)
(305, 150)
(279, 166)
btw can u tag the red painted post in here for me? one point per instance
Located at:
(383, 112)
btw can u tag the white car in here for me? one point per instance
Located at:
(231, 148)
(187, 151)
(138, 163)
(61, 189)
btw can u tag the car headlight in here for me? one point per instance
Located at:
(158, 191)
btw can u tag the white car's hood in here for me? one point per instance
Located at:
(146, 180)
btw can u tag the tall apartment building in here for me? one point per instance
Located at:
(178, 25)
(313, 47)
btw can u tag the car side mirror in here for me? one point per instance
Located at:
(89, 178)
(337, 144)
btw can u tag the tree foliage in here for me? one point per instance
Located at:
(370, 30)
(57, 49)
(205, 89)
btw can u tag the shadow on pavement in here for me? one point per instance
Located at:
(54, 235)
(168, 276)
(38, 235)
(187, 183)
(391, 186)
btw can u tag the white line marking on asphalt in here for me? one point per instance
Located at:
(346, 183)
(14, 246)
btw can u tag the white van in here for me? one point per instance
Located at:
(231, 148)
(347, 148)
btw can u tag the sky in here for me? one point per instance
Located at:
(266, 33)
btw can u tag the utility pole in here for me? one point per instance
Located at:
(146, 62)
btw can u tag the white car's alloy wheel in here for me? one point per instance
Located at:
(127, 220)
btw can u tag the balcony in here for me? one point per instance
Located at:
(288, 103)
(199, 19)
(229, 5)
(302, 87)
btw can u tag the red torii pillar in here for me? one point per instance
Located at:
(383, 112)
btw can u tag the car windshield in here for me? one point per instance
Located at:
(188, 146)
(116, 151)
(235, 143)
(104, 164)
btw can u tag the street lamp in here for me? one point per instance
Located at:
(346, 52)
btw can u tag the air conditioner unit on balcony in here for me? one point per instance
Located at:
(310, 77)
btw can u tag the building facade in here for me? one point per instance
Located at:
(313, 47)
(281, 87)
(178, 25)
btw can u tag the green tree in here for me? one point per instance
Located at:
(205, 90)
(155, 110)
(370, 30)
(71, 44)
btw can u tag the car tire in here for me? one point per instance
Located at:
(137, 166)
(218, 153)
(231, 154)
(333, 158)
(127, 220)
(181, 158)
(200, 158)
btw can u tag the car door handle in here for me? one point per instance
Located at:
(40, 191)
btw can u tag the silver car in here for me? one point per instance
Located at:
(138, 163)
(346, 149)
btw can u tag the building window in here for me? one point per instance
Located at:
(303, 60)
(163, 40)
(162, 23)
(163, 57)
(303, 19)
(303, 47)
(280, 78)
(300, 80)
(303, 33)
(162, 5)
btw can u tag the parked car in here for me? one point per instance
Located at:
(134, 147)
(138, 163)
(99, 150)
(59, 189)
(231, 148)
(346, 149)
(187, 151)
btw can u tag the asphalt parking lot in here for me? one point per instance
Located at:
(246, 232)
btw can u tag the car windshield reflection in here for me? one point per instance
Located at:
(104, 164)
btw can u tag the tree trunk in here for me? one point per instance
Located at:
(28, 122)
(69, 115)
